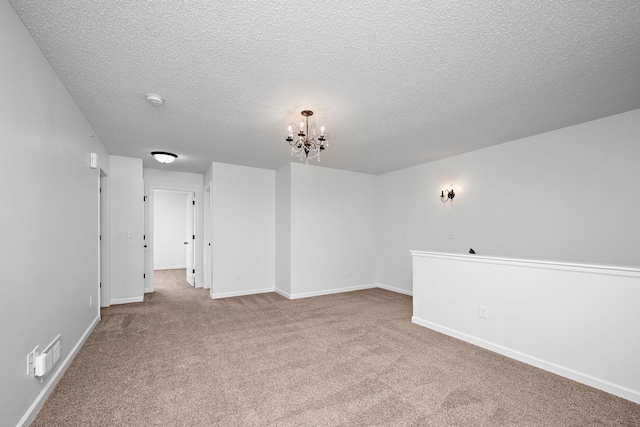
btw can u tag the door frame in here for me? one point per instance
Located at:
(148, 232)
(207, 261)
(104, 288)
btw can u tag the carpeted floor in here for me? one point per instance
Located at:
(182, 359)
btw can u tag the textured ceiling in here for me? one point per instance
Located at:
(396, 83)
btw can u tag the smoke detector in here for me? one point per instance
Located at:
(155, 99)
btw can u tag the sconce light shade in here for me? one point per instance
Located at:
(163, 156)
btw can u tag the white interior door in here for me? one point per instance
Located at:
(189, 238)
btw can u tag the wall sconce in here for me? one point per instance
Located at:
(447, 194)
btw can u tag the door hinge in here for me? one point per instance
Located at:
(144, 237)
(144, 276)
(194, 237)
(101, 284)
(100, 238)
(194, 271)
(193, 202)
(144, 198)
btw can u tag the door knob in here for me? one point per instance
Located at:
(145, 246)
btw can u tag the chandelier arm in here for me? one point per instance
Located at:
(293, 125)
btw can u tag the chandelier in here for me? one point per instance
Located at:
(307, 145)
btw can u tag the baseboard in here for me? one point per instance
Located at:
(55, 377)
(127, 300)
(615, 389)
(241, 293)
(179, 267)
(392, 289)
(331, 291)
(287, 295)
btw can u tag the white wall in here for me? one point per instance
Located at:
(564, 195)
(243, 230)
(179, 181)
(577, 320)
(126, 230)
(283, 230)
(169, 230)
(332, 230)
(49, 228)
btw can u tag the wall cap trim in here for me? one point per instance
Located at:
(618, 270)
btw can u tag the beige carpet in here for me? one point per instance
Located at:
(181, 359)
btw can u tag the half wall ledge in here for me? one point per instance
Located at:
(576, 320)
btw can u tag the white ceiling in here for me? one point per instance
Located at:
(396, 83)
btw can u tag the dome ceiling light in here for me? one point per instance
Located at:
(164, 157)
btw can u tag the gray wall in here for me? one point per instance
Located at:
(565, 195)
(126, 192)
(49, 217)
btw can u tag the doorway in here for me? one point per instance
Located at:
(174, 232)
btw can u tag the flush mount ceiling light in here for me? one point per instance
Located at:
(155, 99)
(164, 157)
(307, 146)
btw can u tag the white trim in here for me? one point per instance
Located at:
(35, 407)
(331, 291)
(310, 294)
(614, 270)
(287, 295)
(589, 380)
(127, 300)
(242, 293)
(170, 268)
(393, 289)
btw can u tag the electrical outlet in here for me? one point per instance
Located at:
(452, 235)
(484, 312)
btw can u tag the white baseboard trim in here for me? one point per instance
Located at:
(241, 293)
(287, 295)
(396, 290)
(331, 291)
(600, 384)
(55, 377)
(127, 300)
(179, 267)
